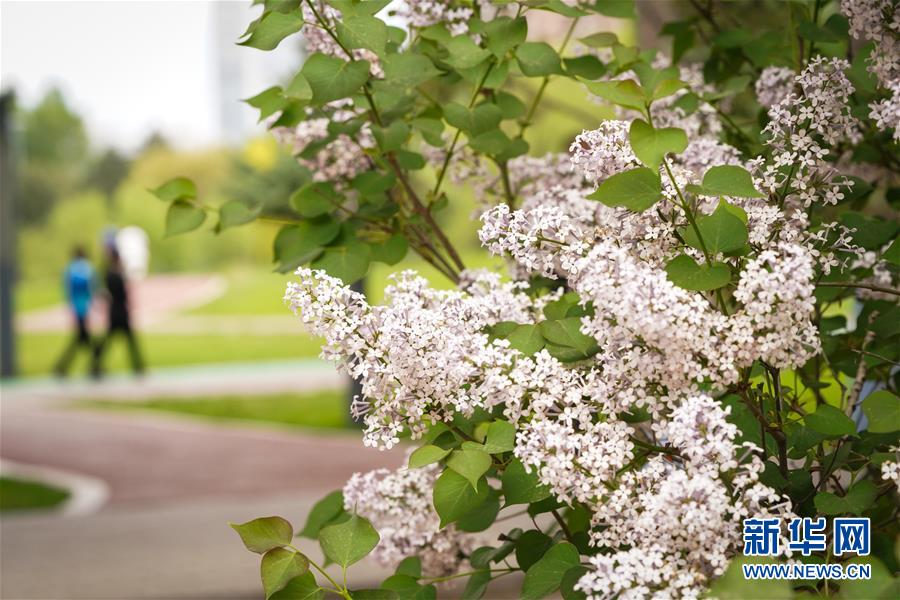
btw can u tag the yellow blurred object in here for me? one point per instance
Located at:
(261, 153)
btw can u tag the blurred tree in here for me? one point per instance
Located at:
(154, 141)
(38, 193)
(55, 155)
(107, 172)
(53, 133)
(270, 186)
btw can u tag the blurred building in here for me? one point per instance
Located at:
(135, 69)
(242, 72)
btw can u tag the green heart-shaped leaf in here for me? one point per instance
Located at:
(637, 189)
(348, 542)
(684, 272)
(651, 145)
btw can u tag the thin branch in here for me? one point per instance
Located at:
(563, 526)
(425, 213)
(690, 217)
(661, 449)
(540, 93)
(861, 369)
(410, 191)
(861, 286)
(452, 149)
(706, 13)
(507, 188)
(878, 356)
(780, 441)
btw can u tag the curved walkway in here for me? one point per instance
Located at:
(174, 484)
(154, 299)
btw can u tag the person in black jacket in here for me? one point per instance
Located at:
(119, 316)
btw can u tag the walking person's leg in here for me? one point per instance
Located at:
(134, 351)
(99, 349)
(80, 338)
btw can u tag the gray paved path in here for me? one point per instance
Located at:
(184, 551)
(199, 380)
(174, 484)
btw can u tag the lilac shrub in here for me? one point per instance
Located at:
(696, 325)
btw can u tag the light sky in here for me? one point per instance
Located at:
(133, 67)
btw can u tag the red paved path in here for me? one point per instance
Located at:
(160, 460)
(152, 299)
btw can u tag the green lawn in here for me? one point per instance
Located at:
(379, 273)
(20, 494)
(321, 410)
(257, 291)
(261, 292)
(34, 294)
(249, 293)
(37, 352)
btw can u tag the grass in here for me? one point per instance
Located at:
(379, 273)
(249, 293)
(260, 292)
(20, 494)
(320, 410)
(256, 291)
(37, 352)
(35, 294)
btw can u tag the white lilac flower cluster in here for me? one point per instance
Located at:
(543, 240)
(776, 295)
(669, 337)
(528, 175)
(599, 153)
(802, 129)
(422, 356)
(645, 324)
(575, 445)
(556, 213)
(317, 39)
(832, 245)
(425, 355)
(657, 335)
(420, 14)
(887, 112)
(676, 515)
(603, 152)
(773, 85)
(398, 504)
(342, 156)
(877, 21)
(890, 469)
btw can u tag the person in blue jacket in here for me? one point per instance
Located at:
(79, 287)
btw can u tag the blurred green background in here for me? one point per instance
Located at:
(74, 185)
(71, 192)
